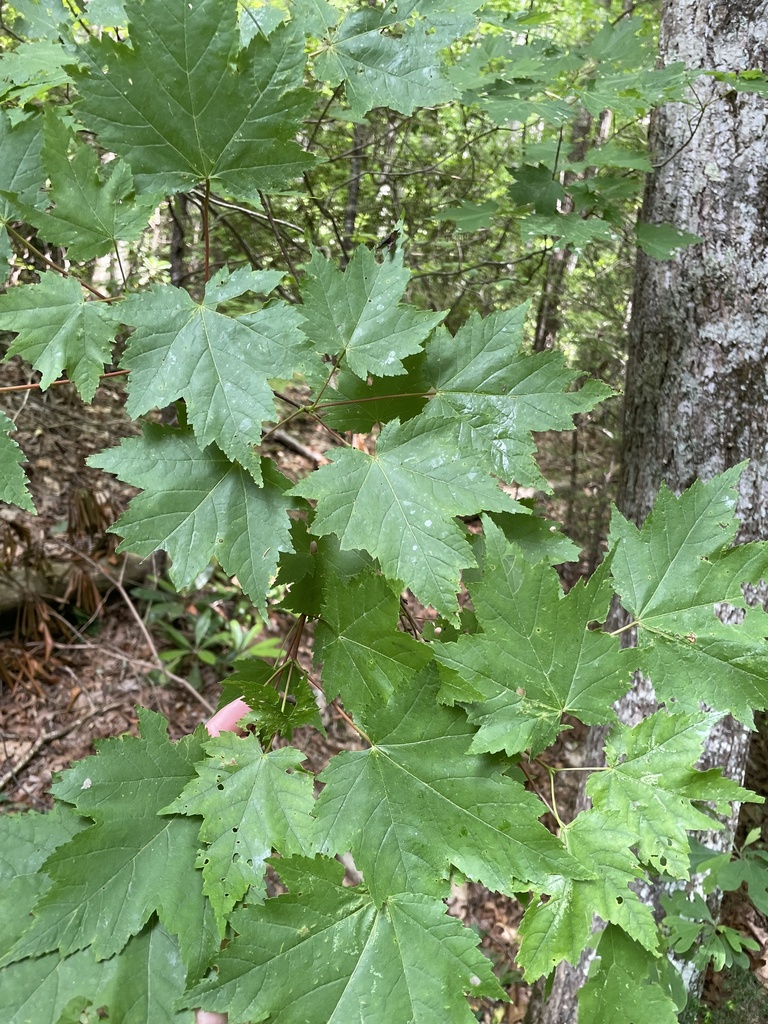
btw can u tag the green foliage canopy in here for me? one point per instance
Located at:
(157, 850)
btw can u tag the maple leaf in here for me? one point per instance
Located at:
(317, 16)
(356, 315)
(364, 656)
(496, 395)
(398, 505)
(26, 841)
(631, 986)
(93, 206)
(539, 540)
(394, 962)
(21, 169)
(314, 562)
(14, 488)
(407, 815)
(219, 364)
(536, 658)
(359, 405)
(649, 780)
(106, 13)
(135, 991)
(41, 19)
(198, 505)
(42, 988)
(130, 987)
(251, 803)
(279, 708)
(560, 928)
(110, 878)
(672, 575)
(261, 20)
(57, 330)
(183, 104)
(380, 67)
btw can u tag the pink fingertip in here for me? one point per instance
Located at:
(226, 720)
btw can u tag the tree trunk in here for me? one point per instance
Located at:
(697, 375)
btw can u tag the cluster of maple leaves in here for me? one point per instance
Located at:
(156, 852)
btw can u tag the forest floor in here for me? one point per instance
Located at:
(79, 651)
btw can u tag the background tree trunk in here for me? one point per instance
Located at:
(697, 375)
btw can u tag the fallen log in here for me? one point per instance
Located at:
(69, 580)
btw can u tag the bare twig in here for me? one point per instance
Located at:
(54, 266)
(142, 626)
(285, 439)
(63, 380)
(278, 236)
(47, 737)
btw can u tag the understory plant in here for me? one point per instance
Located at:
(442, 634)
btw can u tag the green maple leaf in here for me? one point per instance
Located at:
(21, 169)
(356, 316)
(400, 963)
(496, 395)
(671, 576)
(663, 241)
(183, 104)
(359, 405)
(534, 185)
(93, 206)
(251, 803)
(364, 656)
(257, 19)
(307, 570)
(146, 980)
(567, 229)
(279, 708)
(536, 658)
(58, 330)
(106, 13)
(26, 841)
(651, 783)
(197, 505)
(14, 488)
(31, 70)
(109, 879)
(630, 986)
(560, 928)
(43, 987)
(131, 986)
(538, 539)
(407, 815)
(399, 503)
(380, 67)
(317, 16)
(41, 19)
(219, 364)
(470, 216)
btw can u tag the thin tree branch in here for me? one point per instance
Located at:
(141, 624)
(54, 266)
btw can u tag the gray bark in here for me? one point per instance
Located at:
(697, 375)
